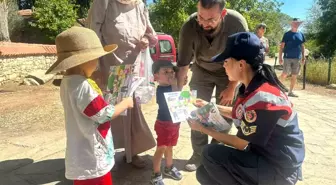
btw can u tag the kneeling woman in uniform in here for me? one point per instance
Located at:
(268, 148)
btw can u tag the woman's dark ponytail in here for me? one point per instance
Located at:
(266, 72)
(270, 76)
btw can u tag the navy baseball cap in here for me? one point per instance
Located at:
(163, 64)
(241, 46)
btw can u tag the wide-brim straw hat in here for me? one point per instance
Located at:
(76, 46)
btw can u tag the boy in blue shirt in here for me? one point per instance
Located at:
(292, 45)
(167, 131)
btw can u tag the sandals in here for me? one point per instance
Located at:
(137, 161)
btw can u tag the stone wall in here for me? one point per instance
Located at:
(16, 68)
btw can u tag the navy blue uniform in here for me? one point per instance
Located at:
(264, 117)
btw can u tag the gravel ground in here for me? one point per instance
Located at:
(25, 110)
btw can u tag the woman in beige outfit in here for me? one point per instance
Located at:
(126, 23)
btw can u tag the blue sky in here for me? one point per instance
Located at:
(294, 8)
(297, 8)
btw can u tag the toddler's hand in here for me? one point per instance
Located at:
(173, 81)
(185, 80)
(129, 102)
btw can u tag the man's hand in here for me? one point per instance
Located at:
(172, 81)
(182, 76)
(281, 61)
(226, 97)
(143, 44)
(303, 61)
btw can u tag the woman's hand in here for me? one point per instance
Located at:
(200, 103)
(144, 43)
(195, 125)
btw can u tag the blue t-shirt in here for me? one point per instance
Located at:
(293, 44)
(163, 112)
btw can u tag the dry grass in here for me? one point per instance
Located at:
(317, 72)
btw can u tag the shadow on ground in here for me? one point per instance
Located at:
(26, 171)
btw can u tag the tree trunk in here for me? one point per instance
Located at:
(4, 33)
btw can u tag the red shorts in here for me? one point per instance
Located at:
(103, 180)
(167, 133)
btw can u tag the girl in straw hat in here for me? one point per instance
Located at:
(90, 151)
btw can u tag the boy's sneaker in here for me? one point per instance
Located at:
(173, 173)
(156, 179)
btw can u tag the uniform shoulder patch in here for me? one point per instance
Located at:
(250, 116)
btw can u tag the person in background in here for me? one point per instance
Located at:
(292, 46)
(126, 23)
(269, 146)
(89, 148)
(201, 37)
(260, 32)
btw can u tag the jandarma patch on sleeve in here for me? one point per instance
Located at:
(239, 111)
(250, 116)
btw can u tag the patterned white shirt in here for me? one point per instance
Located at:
(89, 146)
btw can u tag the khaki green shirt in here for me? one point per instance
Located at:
(194, 46)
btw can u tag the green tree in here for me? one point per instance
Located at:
(312, 29)
(83, 7)
(326, 34)
(265, 11)
(169, 15)
(54, 16)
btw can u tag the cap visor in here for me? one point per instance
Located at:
(221, 57)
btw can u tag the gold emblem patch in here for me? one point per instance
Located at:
(247, 130)
(250, 116)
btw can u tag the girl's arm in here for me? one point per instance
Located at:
(122, 106)
(92, 105)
